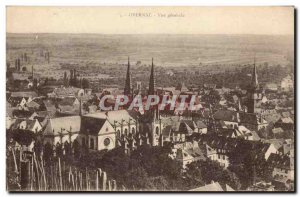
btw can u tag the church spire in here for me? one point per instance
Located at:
(254, 82)
(151, 81)
(127, 89)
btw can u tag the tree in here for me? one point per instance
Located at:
(213, 97)
(248, 164)
(65, 79)
(204, 172)
(85, 83)
(138, 179)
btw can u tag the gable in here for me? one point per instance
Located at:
(106, 128)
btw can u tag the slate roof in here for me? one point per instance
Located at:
(92, 125)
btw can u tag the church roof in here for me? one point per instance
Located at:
(62, 124)
(92, 125)
(116, 116)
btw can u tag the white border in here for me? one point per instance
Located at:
(5, 3)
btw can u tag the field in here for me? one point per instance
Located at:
(167, 50)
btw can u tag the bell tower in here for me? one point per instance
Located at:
(127, 89)
(253, 95)
(153, 114)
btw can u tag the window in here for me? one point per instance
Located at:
(126, 132)
(106, 141)
(133, 131)
(92, 143)
(118, 134)
(157, 131)
(218, 156)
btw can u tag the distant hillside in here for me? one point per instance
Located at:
(168, 50)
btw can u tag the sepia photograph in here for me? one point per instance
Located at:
(150, 99)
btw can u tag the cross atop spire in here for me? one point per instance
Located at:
(151, 81)
(127, 89)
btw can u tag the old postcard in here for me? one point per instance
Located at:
(137, 99)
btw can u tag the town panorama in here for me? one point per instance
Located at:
(150, 112)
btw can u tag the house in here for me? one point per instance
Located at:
(186, 153)
(285, 123)
(217, 148)
(230, 118)
(62, 92)
(32, 105)
(287, 83)
(283, 169)
(176, 129)
(271, 86)
(21, 98)
(202, 128)
(27, 124)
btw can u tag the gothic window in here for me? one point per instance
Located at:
(133, 131)
(118, 134)
(157, 131)
(126, 132)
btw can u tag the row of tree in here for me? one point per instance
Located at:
(73, 81)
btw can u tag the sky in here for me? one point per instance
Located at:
(151, 20)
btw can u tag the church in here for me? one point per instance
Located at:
(107, 130)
